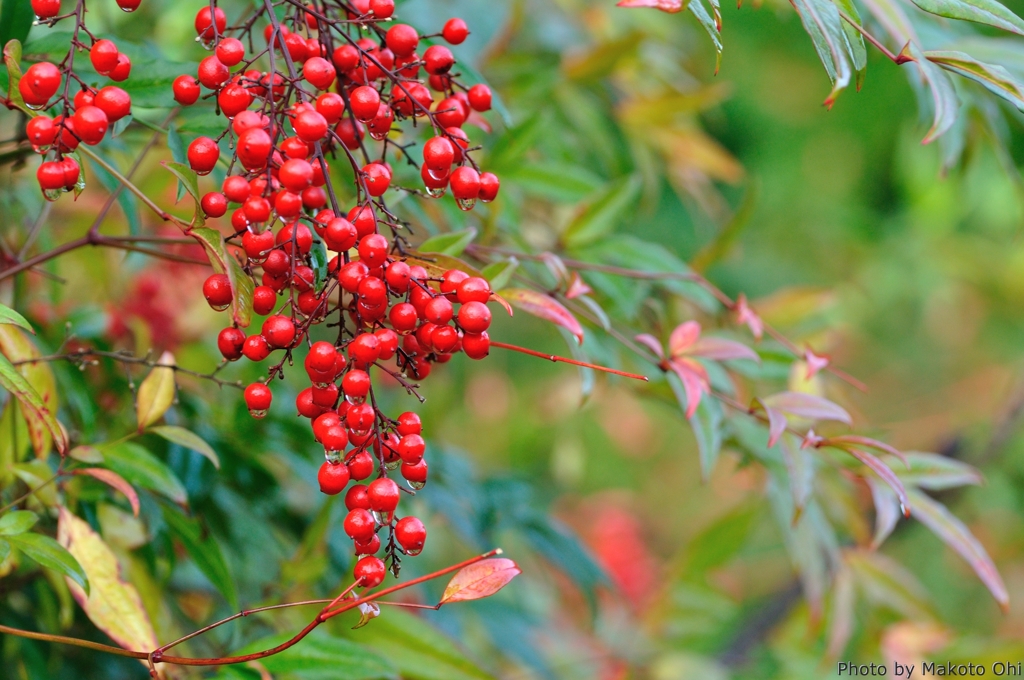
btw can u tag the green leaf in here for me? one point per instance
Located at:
(36, 474)
(204, 551)
(17, 522)
(9, 316)
(177, 146)
(15, 383)
(707, 428)
(5, 550)
(224, 263)
(854, 39)
(188, 439)
(318, 260)
(556, 543)
(945, 103)
(500, 273)
(12, 59)
(319, 656)
(987, 12)
(416, 650)
(822, 22)
(560, 182)
(992, 77)
(935, 472)
(452, 243)
(49, 553)
(126, 199)
(188, 178)
(16, 17)
(698, 10)
(603, 213)
(143, 469)
(49, 43)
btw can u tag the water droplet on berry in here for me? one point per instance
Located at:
(333, 457)
(486, 200)
(465, 203)
(220, 308)
(355, 400)
(207, 43)
(416, 486)
(393, 464)
(436, 193)
(258, 413)
(436, 174)
(414, 553)
(379, 136)
(52, 194)
(35, 107)
(321, 385)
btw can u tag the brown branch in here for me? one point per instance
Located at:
(80, 357)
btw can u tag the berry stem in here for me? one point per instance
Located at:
(565, 360)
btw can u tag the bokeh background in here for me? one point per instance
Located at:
(841, 227)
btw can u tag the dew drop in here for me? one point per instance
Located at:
(220, 308)
(465, 203)
(436, 193)
(413, 553)
(416, 486)
(379, 136)
(333, 457)
(52, 194)
(393, 464)
(258, 413)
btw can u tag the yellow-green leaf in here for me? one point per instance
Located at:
(112, 604)
(188, 439)
(11, 317)
(40, 401)
(156, 393)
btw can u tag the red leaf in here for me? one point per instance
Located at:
(776, 422)
(577, 287)
(815, 363)
(480, 580)
(746, 315)
(695, 382)
(885, 472)
(545, 307)
(501, 301)
(841, 440)
(683, 337)
(721, 349)
(670, 6)
(651, 343)
(807, 406)
(116, 481)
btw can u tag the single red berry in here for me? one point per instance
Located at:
(489, 185)
(365, 348)
(351, 275)
(455, 31)
(254, 147)
(335, 438)
(403, 317)
(204, 23)
(296, 174)
(214, 204)
(388, 342)
(356, 497)
(438, 154)
(372, 292)
(295, 235)
(233, 99)
(356, 384)
(474, 317)
(296, 46)
(381, 123)
(411, 448)
(476, 346)
(377, 177)
(340, 234)
(402, 39)
(480, 97)
(373, 250)
(360, 417)
(257, 399)
(230, 342)
(465, 183)
(129, 5)
(263, 300)
(361, 466)
(473, 289)
(50, 175)
(304, 404)
(213, 73)
(451, 112)
(359, 525)
(203, 153)
(46, 9)
(363, 219)
(39, 83)
(382, 9)
(186, 90)
(230, 51)
(114, 102)
(256, 348)
(90, 124)
(322, 356)
(416, 473)
(217, 290)
(257, 246)
(384, 495)
(122, 70)
(324, 422)
(368, 548)
(410, 534)
(310, 126)
(364, 101)
(331, 106)
(279, 331)
(346, 57)
(438, 311)
(103, 56)
(444, 339)
(318, 72)
(41, 131)
(325, 396)
(369, 571)
(438, 60)
(257, 211)
(333, 477)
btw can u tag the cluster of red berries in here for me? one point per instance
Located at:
(85, 118)
(395, 316)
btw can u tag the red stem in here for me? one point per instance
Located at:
(564, 360)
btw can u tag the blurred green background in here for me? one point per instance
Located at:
(841, 227)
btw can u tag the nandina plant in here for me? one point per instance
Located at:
(322, 121)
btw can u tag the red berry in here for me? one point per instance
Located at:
(214, 204)
(263, 300)
(365, 348)
(465, 183)
(381, 123)
(474, 317)
(340, 234)
(489, 186)
(455, 31)
(411, 448)
(356, 384)
(333, 477)
(409, 423)
(203, 153)
(295, 235)
(356, 497)
(122, 70)
(382, 9)
(377, 177)
(451, 112)
(403, 317)
(256, 348)
(217, 290)
(384, 495)
(438, 60)
(204, 23)
(257, 399)
(41, 131)
(438, 154)
(415, 473)
(369, 571)
(103, 56)
(46, 9)
(230, 342)
(402, 39)
(114, 102)
(444, 339)
(213, 73)
(50, 175)
(334, 438)
(318, 72)
(480, 97)
(473, 289)
(310, 126)
(364, 101)
(360, 417)
(257, 246)
(304, 404)
(410, 534)
(476, 346)
(363, 219)
(331, 106)
(233, 99)
(324, 422)
(186, 90)
(254, 147)
(230, 51)
(322, 356)
(388, 342)
(129, 5)
(359, 525)
(296, 174)
(90, 124)
(346, 57)
(438, 311)
(279, 331)
(368, 548)
(373, 250)
(39, 83)
(361, 466)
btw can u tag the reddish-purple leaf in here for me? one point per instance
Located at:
(501, 301)
(695, 382)
(956, 535)
(746, 315)
(116, 481)
(651, 343)
(887, 512)
(721, 349)
(545, 307)
(842, 440)
(684, 335)
(815, 363)
(577, 287)
(885, 472)
(670, 6)
(480, 580)
(776, 421)
(807, 406)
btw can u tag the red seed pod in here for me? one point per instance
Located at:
(368, 548)
(346, 57)
(489, 185)
(186, 90)
(39, 83)
(279, 331)
(41, 131)
(204, 23)
(480, 97)
(410, 534)
(384, 495)
(322, 356)
(455, 31)
(46, 9)
(377, 178)
(476, 346)
(403, 317)
(382, 9)
(438, 311)
(473, 289)
(325, 396)
(333, 477)
(230, 342)
(213, 73)
(451, 112)
(254, 147)
(361, 466)
(351, 275)
(373, 250)
(122, 70)
(369, 571)
(465, 183)
(90, 124)
(363, 219)
(388, 342)
(359, 525)
(331, 106)
(217, 291)
(360, 417)
(444, 339)
(257, 399)
(256, 348)
(257, 246)
(310, 126)
(335, 438)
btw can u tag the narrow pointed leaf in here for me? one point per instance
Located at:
(720, 349)
(822, 22)
(115, 481)
(945, 103)
(43, 427)
(141, 468)
(776, 421)
(887, 511)
(480, 580)
(545, 307)
(188, 439)
(190, 180)
(52, 555)
(670, 6)
(992, 77)
(17, 522)
(682, 338)
(846, 439)
(204, 551)
(651, 343)
(807, 406)
(12, 60)
(694, 382)
(956, 535)
(875, 464)
(498, 274)
(452, 243)
(987, 12)
(603, 213)
(11, 317)
(156, 393)
(935, 472)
